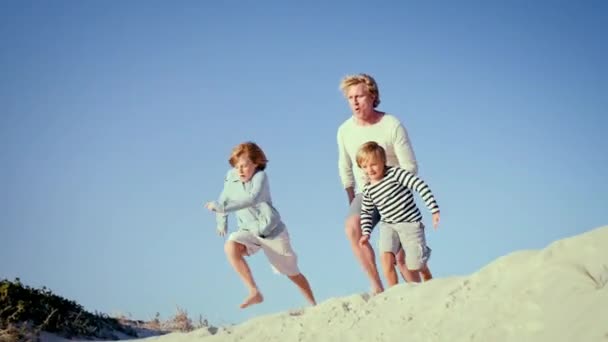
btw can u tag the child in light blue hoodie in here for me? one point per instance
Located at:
(247, 193)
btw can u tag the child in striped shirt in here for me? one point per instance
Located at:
(389, 190)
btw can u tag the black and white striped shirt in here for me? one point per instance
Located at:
(393, 198)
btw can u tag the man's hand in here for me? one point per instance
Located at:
(364, 240)
(221, 231)
(211, 206)
(350, 193)
(436, 220)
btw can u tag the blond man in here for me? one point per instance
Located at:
(369, 124)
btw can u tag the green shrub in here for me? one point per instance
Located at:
(41, 309)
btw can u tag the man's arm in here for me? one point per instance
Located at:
(350, 193)
(345, 168)
(258, 181)
(404, 151)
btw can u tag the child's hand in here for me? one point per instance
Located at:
(364, 240)
(221, 231)
(211, 206)
(436, 220)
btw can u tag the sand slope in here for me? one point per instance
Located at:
(555, 294)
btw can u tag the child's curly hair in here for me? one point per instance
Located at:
(252, 151)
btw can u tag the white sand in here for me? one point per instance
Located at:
(555, 294)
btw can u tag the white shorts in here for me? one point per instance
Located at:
(277, 249)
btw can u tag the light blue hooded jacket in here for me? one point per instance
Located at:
(251, 203)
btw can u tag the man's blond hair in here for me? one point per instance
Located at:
(250, 150)
(370, 83)
(370, 151)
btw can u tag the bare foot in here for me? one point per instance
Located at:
(376, 290)
(426, 274)
(254, 298)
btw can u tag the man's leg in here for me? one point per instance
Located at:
(388, 266)
(365, 253)
(236, 256)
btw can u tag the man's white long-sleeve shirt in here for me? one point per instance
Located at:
(388, 133)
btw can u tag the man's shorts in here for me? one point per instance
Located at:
(355, 209)
(411, 237)
(278, 250)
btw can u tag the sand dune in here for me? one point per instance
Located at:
(555, 294)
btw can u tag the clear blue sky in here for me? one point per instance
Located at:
(117, 119)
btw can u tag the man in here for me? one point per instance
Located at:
(369, 124)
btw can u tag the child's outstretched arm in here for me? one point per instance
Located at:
(220, 217)
(222, 223)
(230, 204)
(413, 182)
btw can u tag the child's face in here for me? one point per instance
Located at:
(245, 168)
(373, 168)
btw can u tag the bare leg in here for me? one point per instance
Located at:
(365, 253)
(388, 266)
(408, 275)
(400, 261)
(236, 256)
(302, 283)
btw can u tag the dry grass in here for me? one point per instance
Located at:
(180, 321)
(23, 332)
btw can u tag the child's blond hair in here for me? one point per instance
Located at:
(370, 151)
(252, 151)
(370, 83)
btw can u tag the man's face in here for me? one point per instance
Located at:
(373, 168)
(361, 102)
(245, 168)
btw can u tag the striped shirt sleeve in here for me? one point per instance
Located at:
(367, 212)
(412, 182)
